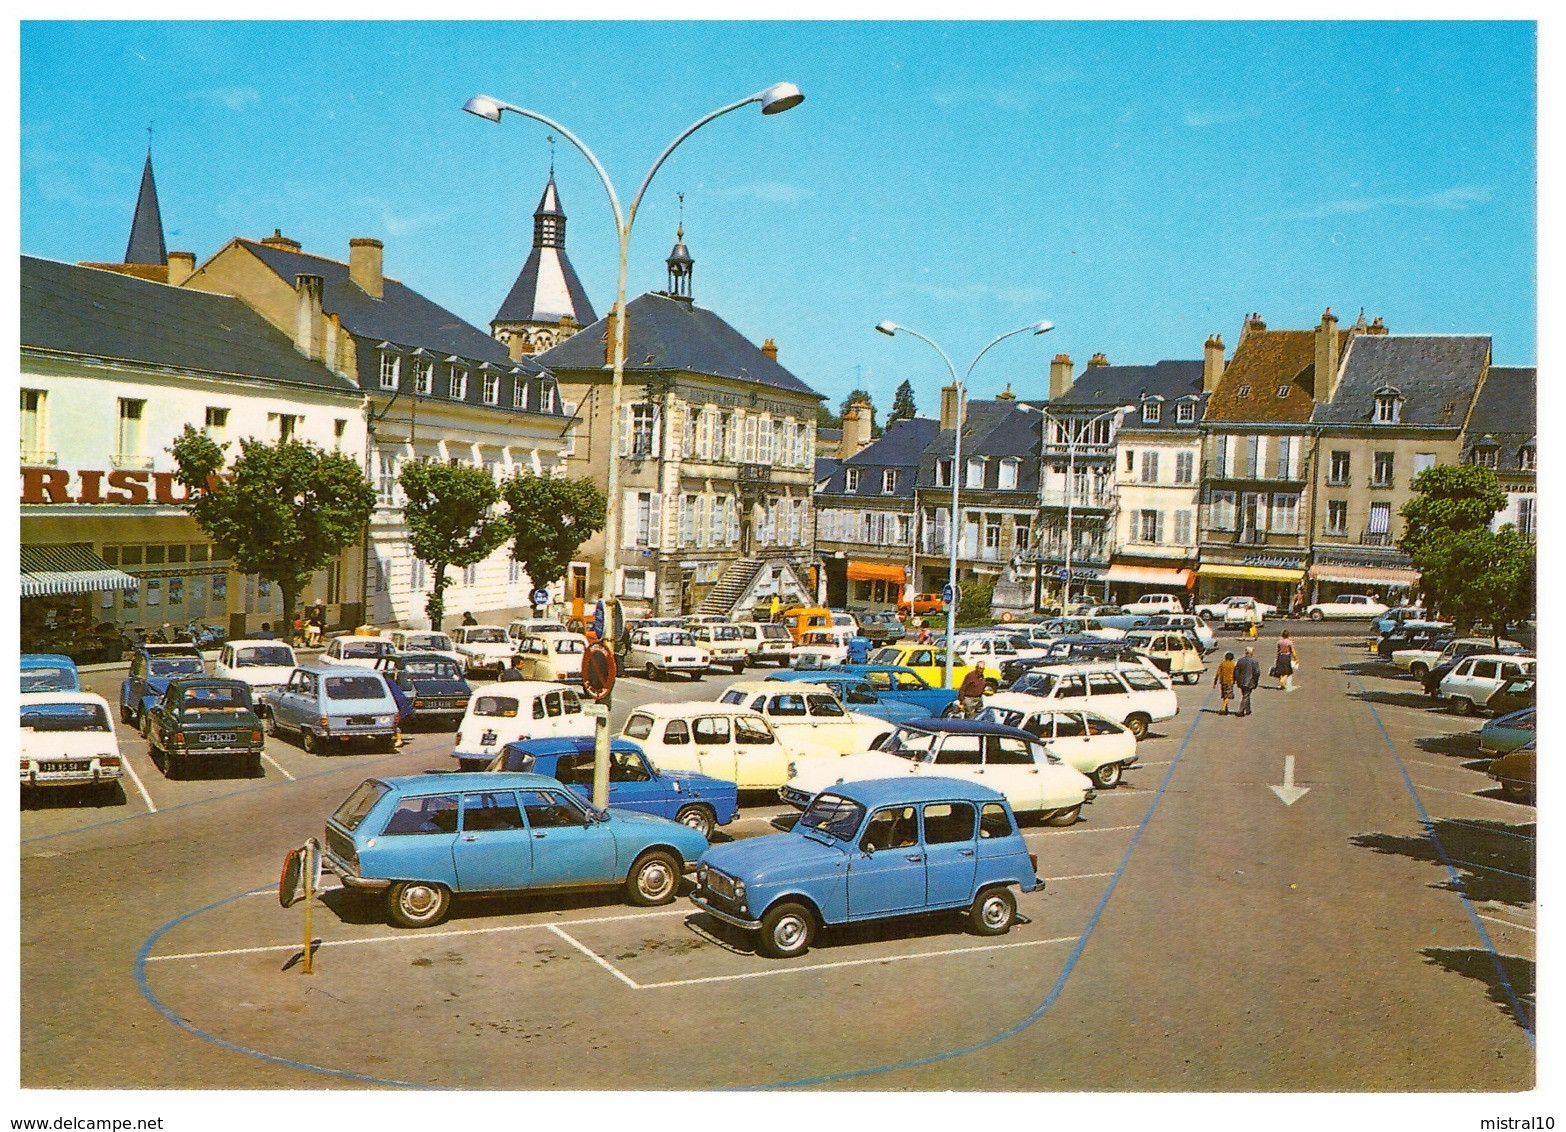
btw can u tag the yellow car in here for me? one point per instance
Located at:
(927, 661)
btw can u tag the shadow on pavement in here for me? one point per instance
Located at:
(1399, 699)
(1464, 745)
(1493, 860)
(1476, 963)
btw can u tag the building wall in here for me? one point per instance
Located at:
(1359, 492)
(1163, 494)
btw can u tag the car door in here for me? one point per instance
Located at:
(1107, 695)
(950, 830)
(712, 739)
(1070, 740)
(492, 850)
(633, 784)
(1009, 768)
(569, 847)
(886, 871)
(761, 759)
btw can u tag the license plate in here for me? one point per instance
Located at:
(487, 739)
(221, 739)
(361, 721)
(61, 768)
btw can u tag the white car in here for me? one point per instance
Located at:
(509, 710)
(264, 665)
(1034, 780)
(1214, 611)
(1173, 646)
(1156, 603)
(1190, 623)
(1134, 695)
(1242, 611)
(766, 642)
(1085, 627)
(555, 657)
(987, 650)
(720, 740)
(1100, 748)
(724, 644)
(812, 713)
(842, 620)
(663, 651)
(1346, 607)
(68, 740)
(425, 641)
(357, 652)
(483, 648)
(1476, 678)
(821, 648)
(521, 628)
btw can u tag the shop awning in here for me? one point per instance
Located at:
(1368, 575)
(69, 568)
(1255, 573)
(875, 572)
(1151, 576)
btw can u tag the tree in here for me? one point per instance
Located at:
(282, 512)
(974, 598)
(1449, 497)
(825, 419)
(550, 517)
(449, 513)
(857, 395)
(903, 407)
(1471, 574)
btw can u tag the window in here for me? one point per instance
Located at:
(216, 426)
(339, 430)
(546, 399)
(1182, 529)
(943, 472)
(1130, 460)
(130, 429)
(519, 392)
(1245, 391)
(1221, 511)
(1283, 391)
(1009, 468)
(418, 580)
(948, 822)
(1285, 514)
(711, 730)
(1149, 526)
(1185, 412)
(1527, 459)
(391, 368)
(1380, 522)
(1285, 458)
(1337, 516)
(1423, 460)
(994, 821)
(1021, 535)
(888, 482)
(635, 584)
(1152, 412)
(422, 816)
(992, 535)
(687, 520)
(854, 476)
(1389, 407)
(974, 476)
(423, 376)
(764, 438)
(568, 440)
(1150, 466)
(33, 425)
(689, 434)
(491, 388)
(643, 420)
(647, 517)
(723, 437)
(1525, 514)
(1486, 456)
(1185, 467)
(1338, 470)
(1381, 469)
(1221, 455)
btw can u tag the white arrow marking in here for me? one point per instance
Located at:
(1289, 793)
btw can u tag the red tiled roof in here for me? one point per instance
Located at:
(1264, 361)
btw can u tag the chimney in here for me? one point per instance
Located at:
(770, 348)
(1377, 327)
(1253, 325)
(182, 265)
(1006, 394)
(364, 265)
(948, 406)
(1212, 363)
(1098, 360)
(856, 429)
(611, 328)
(309, 322)
(1327, 346)
(1060, 376)
(568, 326)
(280, 241)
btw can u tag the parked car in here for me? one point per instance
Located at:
(842, 619)
(1034, 780)
(921, 604)
(422, 839)
(927, 661)
(1083, 627)
(1514, 697)
(511, 710)
(483, 648)
(765, 642)
(1346, 607)
(1077, 650)
(1156, 603)
(1118, 617)
(1507, 732)
(800, 619)
(68, 741)
(356, 652)
(434, 685)
(1100, 748)
(204, 721)
(49, 672)
(661, 652)
(897, 685)
(1172, 651)
(985, 650)
(1433, 678)
(151, 669)
(1241, 613)
(1190, 623)
(857, 694)
(1214, 611)
(807, 712)
(264, 665)
(724, 645)
(425, 641)
(691, 620)
(1132, 694)
(1401, 616)
(1475, 679)
(1418, 662)
(821, 648)
(880, 626)
(1516, 771)
(720, 740)
(1409, 636)
(554, 657)
(327, 705)
(870, 850)
(692, 799)
(529, 625)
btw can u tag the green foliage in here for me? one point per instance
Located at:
(1479, 577)
(550, 517)
(903, 407)
(1449, 497)
(856, 395)
(283, 511)
(973, 601)
(449, 513)
(825, 419)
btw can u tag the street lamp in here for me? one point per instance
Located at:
(890, 329)
(1072, 439)
(774, 100)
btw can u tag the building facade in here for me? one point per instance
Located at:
(1503, 435)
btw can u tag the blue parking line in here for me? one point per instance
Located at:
(1060, 982)
(1451, 872)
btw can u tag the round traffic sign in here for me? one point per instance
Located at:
(948, 593)
(540, 597)
(1063, 574)
(598, 670)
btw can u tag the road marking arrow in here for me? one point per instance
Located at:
(1289, 793)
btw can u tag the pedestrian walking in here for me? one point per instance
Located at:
(1283, 666)
(925, 637)
(858, 649)
(1247, 675)
(469, 619)
(971, 693)
(1224, 681)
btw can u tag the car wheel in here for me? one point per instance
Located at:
(109, 794)
(389, 744)
(307, 739)
(654, 879)
(417, 904)
(993, 912)
(269, 720)
(695, 676)
(1068, 816)
(739, 667)
(1137, 725)
(786, 931)
(1107, 775)
(651, 673)
(125, 715)
(1461, 705)
(1315, 615)
(1418, 671)
(699, 818)
(143, 724)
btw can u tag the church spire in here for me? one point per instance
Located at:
(146, 236)
(681, 265)
(547, 303)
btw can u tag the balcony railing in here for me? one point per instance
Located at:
(1375, 538)
(1098, 500)
(1271, 472)
(1083, 555)
(38, 458)
(127, 460)
(754, 474)
(1251, 537)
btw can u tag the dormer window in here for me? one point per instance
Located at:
(1152, 412)
(1245, 391)
(518, 391)
(855, 475)
(975, 475)
(889, 482)
(1008, 473)
(391, 368)
(1185, 412)
(1485, 455)
(457, 384)
(1389, 406)
(943, 472)
(423, 376)
(1283, 391)
(547, 400)
(1528, 458)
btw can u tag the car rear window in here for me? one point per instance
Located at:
(272, 656)
(354, 688)
(504, 707)
(639, 726)
(65, 717)
(49, 680)
(352, 812)
(1141, 680)
(220, 698)
(775, 632)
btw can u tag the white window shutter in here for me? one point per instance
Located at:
(628, 518)
(624, 446)
(655, 520)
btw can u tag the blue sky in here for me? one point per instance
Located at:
(1141, 185)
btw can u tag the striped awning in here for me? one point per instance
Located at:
(1151, 575)
(69, 568)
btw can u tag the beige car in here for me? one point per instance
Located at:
(1183, 655)
(553, 656)
(720, 740)
(726, 647)
(808, 713)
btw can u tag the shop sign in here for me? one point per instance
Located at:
(122, 485)
(1380, 562)
(1274, 561)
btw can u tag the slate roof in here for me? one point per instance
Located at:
(103, 314)
(1263, 361)
(1436, 374)
(900, 448)
(1101, 387)
(676, 335)
(824, 467)
(995, 429)
(1505, 410)
(547, 286)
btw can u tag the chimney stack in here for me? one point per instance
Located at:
(1098, 360)
(856, 429)
(1253, 325)
(279, 241)
(770, 348)
(1212, 363)
(182, 265)
(309, 321)
(948, 407)
(1377, 327)
(1327, 347)
(1060, 376)
(364, 265)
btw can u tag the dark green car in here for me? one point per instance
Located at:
(203, 721)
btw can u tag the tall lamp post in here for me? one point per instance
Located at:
(774, 100)
(1073, 438)
(890, 329)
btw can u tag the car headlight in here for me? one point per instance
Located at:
(701, 875)
(384, 720)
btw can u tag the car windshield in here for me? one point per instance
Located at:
(48, 680)
(503, 707)
(352, 812)
(435, 667)
(639, 726)
(774, 632)
(354, 688)
(65, 717)
(486, 637)
(832, 815)
(1035, 684)
(917, 746)
(264, 656)
(570, 645)
(177, 666)
(725, 633)
(221, 697)
(437, 641)
(673, 639)
(1006, 717)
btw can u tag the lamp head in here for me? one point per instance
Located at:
(484, 106)
(780, 97)
(1043, 327)
(888, 328)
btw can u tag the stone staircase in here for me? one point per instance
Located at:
(723, 596)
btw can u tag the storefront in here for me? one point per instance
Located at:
(1272, 578)
(63, 589)
(875, 585)
(1129, 580)
(1335, 574)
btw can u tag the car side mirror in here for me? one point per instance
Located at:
(867, 848)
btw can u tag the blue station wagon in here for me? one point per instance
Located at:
(333, 704)
(895, 684)
(423, 838)
(151, 669)
(686, 796)
(869, 850)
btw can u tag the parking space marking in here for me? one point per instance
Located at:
(1493, 869)
(1442, 766)
(1491, 829)
(136, 778)
(596, 958)
(1081, 876)
(1508, 923)
(279, 766)
(1089, 829)
(1476, 797)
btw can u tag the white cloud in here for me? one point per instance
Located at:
(1452, 199)
(767, 192)
(233, 97)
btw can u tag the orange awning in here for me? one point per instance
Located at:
(875, 572)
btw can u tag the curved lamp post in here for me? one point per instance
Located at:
(890, 329)
(774, 100)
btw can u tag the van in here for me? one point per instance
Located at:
(802, 618)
